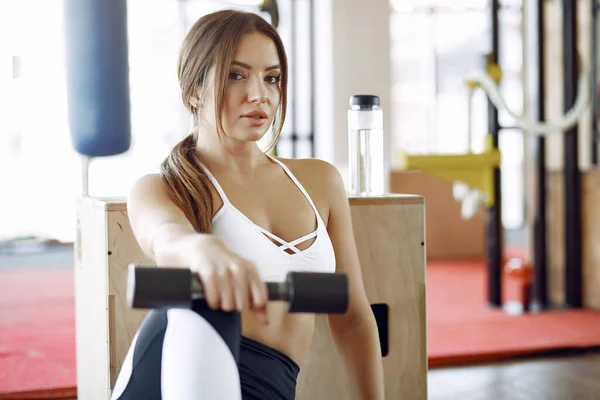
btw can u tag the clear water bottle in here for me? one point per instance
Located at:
(365, 146)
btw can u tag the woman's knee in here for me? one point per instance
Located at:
(227, 324)
(178, 353)
(196, 360)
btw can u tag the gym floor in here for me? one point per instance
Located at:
(572, 376)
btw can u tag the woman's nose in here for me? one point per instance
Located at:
(256, 92)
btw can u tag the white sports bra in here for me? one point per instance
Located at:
(248, 240)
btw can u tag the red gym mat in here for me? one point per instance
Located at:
(37, 344)
(37, 334)
(461, 330)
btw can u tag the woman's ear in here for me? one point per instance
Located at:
(194, 102)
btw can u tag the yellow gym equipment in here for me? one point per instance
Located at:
(474, 169)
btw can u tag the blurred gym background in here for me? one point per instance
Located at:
(432, 48)
(419, 53)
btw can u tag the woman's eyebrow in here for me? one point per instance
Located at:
(244, 65)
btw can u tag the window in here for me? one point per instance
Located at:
(435, 45)
(36, 155)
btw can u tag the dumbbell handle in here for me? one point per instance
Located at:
(277, 291)
(311, 292)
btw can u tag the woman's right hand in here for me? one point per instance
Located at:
(230, 282)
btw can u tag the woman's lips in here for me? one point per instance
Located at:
(255, 121)
(255, 118)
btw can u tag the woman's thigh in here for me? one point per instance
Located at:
(182, 354)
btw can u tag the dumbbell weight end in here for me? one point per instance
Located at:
(316, 292)
(176, 287)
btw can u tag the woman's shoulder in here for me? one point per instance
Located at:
(310, 167)
(318, 176)
(147, 181)
(147, 186)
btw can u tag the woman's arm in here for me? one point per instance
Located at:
(355, 332)
(160, 227)
(166, 235)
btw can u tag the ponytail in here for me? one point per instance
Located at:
(187, 186)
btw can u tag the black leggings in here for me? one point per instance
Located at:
(200, 354)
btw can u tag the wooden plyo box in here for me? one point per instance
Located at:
(390, 236)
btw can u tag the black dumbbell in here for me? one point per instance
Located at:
(309, 292)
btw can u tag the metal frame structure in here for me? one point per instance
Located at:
(494, 242)
(572, 176)
(540, 288)
(594, 74)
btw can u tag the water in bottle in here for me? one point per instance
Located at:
(365, 146)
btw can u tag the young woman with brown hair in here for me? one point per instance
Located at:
(239, 217)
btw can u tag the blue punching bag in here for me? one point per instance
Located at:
(98, 76)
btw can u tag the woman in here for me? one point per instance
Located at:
(239, 217)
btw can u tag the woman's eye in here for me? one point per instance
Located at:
(273, 79)
(235, 76)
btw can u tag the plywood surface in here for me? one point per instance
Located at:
(91, 322)
(123, 250)
(448, 234)
(394, 273)
(590, 183)
(392, 198)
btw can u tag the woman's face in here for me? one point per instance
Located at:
(252, 93)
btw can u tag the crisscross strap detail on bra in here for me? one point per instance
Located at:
(290, 245)
(282, 243)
